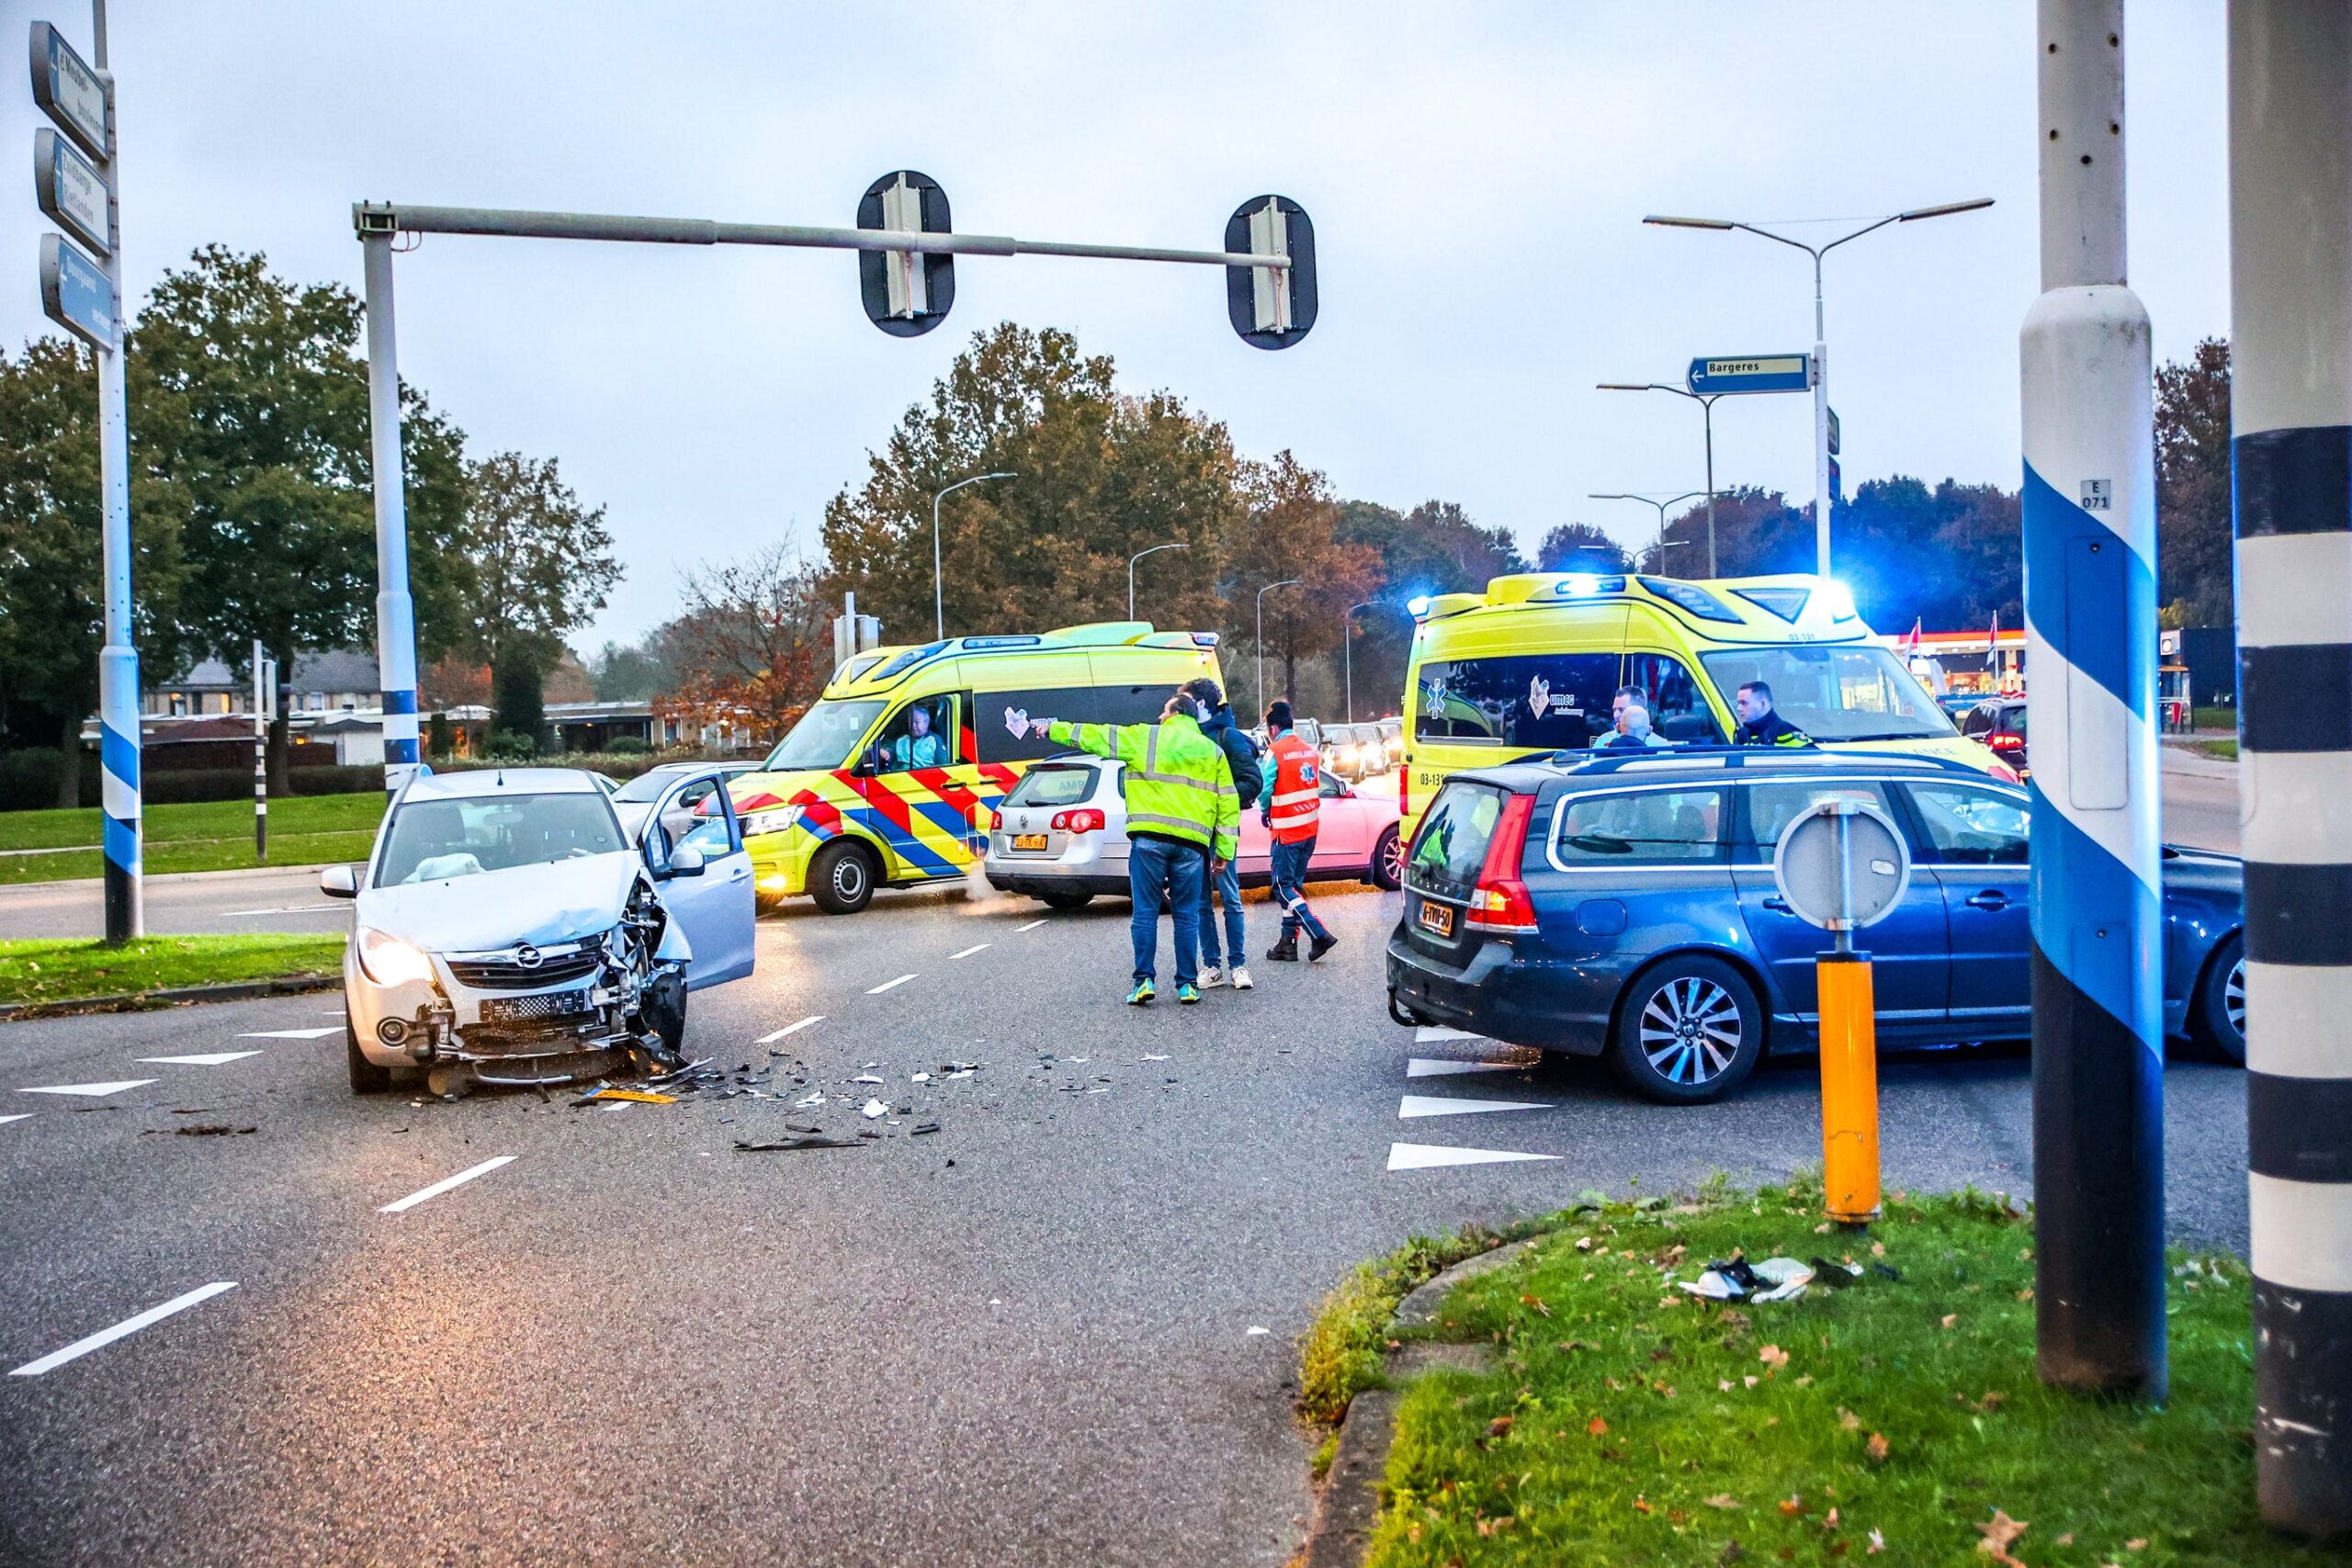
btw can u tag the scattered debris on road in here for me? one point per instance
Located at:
(872, 1108)
(805, 1141)
(604, 1092)
(204, 1130)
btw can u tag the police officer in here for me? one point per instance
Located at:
(1184, 825)
(1294, 803)
(1758, 723)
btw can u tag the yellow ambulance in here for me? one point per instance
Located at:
(888, 780)
(1532, 665)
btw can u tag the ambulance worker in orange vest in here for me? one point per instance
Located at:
(1291, 805)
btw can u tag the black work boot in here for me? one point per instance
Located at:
(1284, 951)
(1318, 946)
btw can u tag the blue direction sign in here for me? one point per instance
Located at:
(1752, 373)
(71, 191)
(68, 91)
(76, 294)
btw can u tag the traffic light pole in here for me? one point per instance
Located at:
(2091, 537)
(2291, 394)
(118, 785)
(395, 610)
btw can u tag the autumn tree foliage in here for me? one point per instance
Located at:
(755, 647)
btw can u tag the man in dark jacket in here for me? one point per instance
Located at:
(1241, 753)
(1758, 723)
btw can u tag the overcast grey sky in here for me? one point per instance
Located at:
(1477, 174)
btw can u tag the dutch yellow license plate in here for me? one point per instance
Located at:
(1028, 840)
(1437, 919)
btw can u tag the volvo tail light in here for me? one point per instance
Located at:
(1086, 819)
(1501, 902)
(2004, 742)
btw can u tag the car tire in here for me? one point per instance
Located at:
(367, 1078)
(1387, 872)
(1066, 898)
(1689, 1030)
(841, 877)
(2217, 1013)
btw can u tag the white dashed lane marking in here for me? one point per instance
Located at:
(1426, 1157)
(967, 953)
(1414, 1105)
(19, 1116)
(89, 1090)
(290, 1035)
(106, 1336)
(447, 1182)
(888, 986)
(789, 1028)
(1030, 927)
(209, 1059)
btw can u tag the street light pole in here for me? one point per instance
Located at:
(1131, 571)
(1820, 333)
(1348, 651)
(1706, 401)
(938, 583)
(1662, 508)
(1286, 582)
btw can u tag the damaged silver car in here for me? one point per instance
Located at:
(509, 931)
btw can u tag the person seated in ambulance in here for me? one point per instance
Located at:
(920, 747)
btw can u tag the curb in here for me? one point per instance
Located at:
(236, 873)
(142, 1001)
(1348, 1508)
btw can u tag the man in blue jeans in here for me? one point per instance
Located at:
(1241, 755)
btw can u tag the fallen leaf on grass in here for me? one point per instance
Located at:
(2139, 1545)
(1773, 1356)
(1950, 1318)
(1848, 1419)
(1641, 1504)
(1500, 1426)
(1597, 1426)
(1878, 1542)
(1999, 1533)
(1537, 1302)
(1792, 1505)
(1876, 1447)
(1488, 1527)
(1722, 1500)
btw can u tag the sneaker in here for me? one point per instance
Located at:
(1320, 945)
(1212, 976)
(1143, 993)
(1187, 993)
(1284, 951)
(1241, 981)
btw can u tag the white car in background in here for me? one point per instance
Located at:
(1060, 835)
(509, 931)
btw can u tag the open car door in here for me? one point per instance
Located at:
(708, 892)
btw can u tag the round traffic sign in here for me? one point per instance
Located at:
(1841, 866)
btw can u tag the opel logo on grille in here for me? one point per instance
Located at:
(527, 957)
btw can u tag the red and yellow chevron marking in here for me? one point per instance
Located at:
(927, 817)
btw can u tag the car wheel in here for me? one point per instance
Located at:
(1067, 898)
(1688, 1030)
(842, 878)
(367, 1078)
(2217, 1018)
(1388, 861)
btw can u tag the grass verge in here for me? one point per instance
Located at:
(37, 971)
(2227, 751)
(1897, 1419)
(214, 835)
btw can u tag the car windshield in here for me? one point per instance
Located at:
(647, 787)
(825, 737)
(1053, 783)
(1852, 693)
(1451, 848)
(433, 840)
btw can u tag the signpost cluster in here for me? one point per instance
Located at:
(75, 183)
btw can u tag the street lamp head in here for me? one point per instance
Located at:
(1945, 210)
(1667, 222)
(1621, 387)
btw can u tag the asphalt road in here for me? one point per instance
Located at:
(1027, 1337)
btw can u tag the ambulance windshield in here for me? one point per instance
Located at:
(825, 737)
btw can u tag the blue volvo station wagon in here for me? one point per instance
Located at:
(1623, 906)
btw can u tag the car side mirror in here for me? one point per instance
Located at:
(685, 861)
(340, 882)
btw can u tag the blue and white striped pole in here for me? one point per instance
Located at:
(2290, 395)
(395, 611)
(2090, 607)
(118, 786)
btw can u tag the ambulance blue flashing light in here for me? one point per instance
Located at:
(1418, 606)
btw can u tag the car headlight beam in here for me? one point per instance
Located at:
(387, 960)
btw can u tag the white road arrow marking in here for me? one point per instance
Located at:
(19, 1116)
(92, 1090)
(1426, 1157)
(209, 1059)
(1429, 1034)
(105, 1337)
(1414, 1105)
(1439, 1067)
(290, 1035)
(447, 1182)
(789, 1028)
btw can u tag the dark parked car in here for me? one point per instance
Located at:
(1999, 723)
(1625, 906)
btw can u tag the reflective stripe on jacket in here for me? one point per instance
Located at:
(1178, 785)
(1293, 808)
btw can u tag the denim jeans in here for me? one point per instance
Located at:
(1290, 889)
(1226, 884)
(1158, 867)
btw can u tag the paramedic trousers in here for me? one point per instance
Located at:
(1290, 889)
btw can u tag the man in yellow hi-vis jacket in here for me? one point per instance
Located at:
(1183, 821)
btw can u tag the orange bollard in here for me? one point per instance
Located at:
(1849, 1088)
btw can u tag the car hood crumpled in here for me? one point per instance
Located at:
(560, 901)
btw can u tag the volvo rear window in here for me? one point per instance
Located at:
(1451, 846)
(1655, 827)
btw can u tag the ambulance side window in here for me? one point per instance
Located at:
(1677, 710)
(1001, 720)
